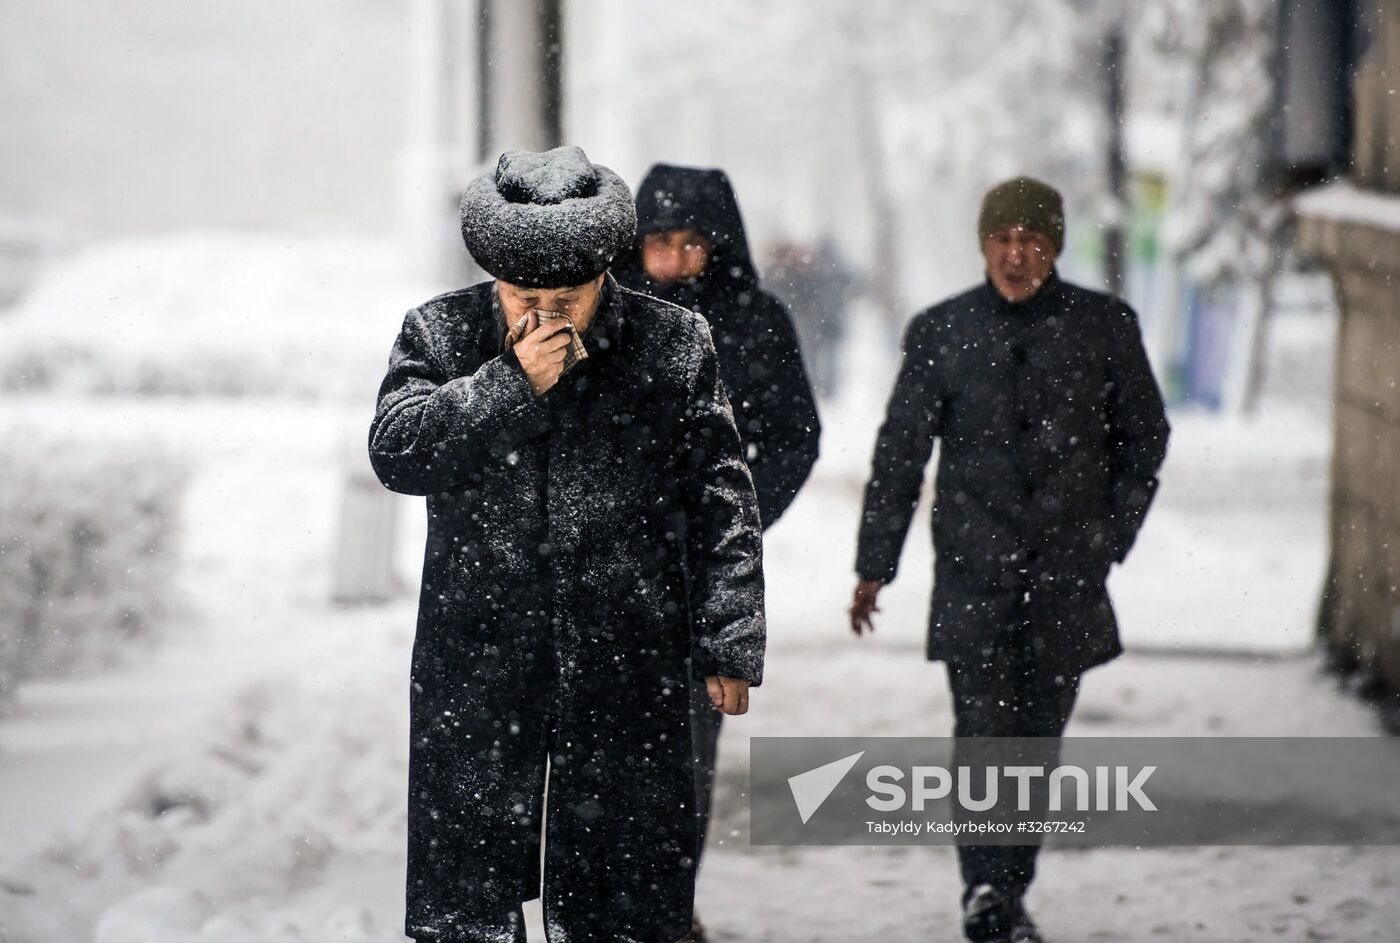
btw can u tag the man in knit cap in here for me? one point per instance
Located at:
(1052, 431)
(593, 542)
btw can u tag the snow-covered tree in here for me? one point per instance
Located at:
(1227, 223)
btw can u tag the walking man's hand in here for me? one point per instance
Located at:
(729, 695)
(542, 350)
(863, 606)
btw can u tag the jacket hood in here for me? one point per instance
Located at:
(671, 197)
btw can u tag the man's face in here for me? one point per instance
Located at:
(1019, 261)
(675, 254)
(578, 301)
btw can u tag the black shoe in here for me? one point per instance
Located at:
(1023, 928)
(987, 915)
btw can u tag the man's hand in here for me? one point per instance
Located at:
(542, 350)
(863, 606)
(730, 695)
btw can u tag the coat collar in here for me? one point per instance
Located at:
(607, 334)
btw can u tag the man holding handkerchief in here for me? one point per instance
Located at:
(593, 544)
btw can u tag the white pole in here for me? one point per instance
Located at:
(439, 130)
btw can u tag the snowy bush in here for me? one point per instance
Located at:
(223, 314)
(86, 560)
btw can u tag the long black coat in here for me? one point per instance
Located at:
(575, 543)
(1052, 431)
(759, 360)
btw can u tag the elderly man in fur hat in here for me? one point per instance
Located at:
(1052, 431)
(593, 549)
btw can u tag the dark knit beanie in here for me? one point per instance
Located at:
(547, 220)
(1027, 202)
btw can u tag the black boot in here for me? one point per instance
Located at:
(987, 914)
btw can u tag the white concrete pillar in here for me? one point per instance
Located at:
(438, 155)
(524, 82)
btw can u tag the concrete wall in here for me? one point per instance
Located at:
(1361, 611)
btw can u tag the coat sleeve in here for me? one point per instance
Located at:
(430, 432)
(724, 542)
(913, 419)
(782, 446)
(1138, 431)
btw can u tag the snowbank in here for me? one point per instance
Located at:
(209, 313)
(233, 837)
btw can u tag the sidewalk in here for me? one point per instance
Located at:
(822, 681)
(252, 777)
(909, 894)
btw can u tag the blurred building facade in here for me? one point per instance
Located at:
(1354, 226)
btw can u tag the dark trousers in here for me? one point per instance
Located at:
(1008, 694)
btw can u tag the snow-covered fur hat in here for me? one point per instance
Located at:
(547, 220)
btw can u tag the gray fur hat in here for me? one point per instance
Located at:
(547, 220)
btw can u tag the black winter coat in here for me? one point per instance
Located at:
(759, 360)
(1052, 431)
(579, 544)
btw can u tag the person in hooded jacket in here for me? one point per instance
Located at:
(1052, 430)
(692, 250)
(593, 537)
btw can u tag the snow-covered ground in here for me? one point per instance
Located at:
(244, 780)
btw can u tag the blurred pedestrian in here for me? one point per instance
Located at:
(588, 507)
(1052, 430)
(691, 250)
(818, 287)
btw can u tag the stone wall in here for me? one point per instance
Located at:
(1376, 147)
(1356, 230)
(1361, 611)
